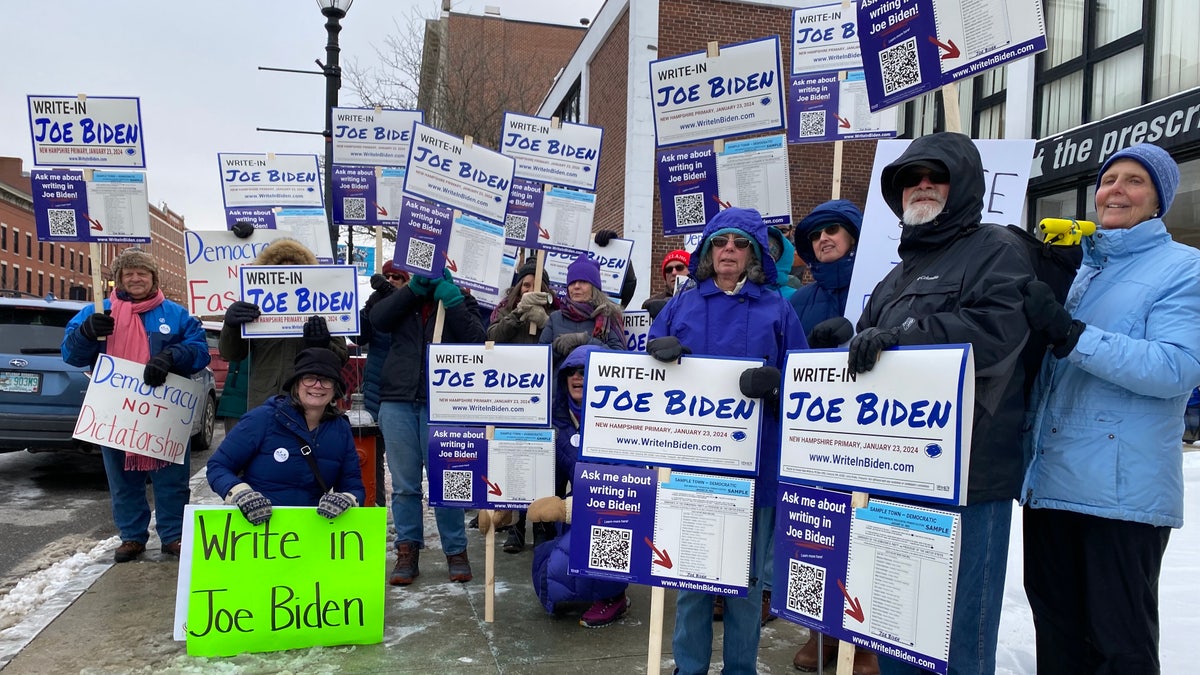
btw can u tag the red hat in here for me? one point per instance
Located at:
(678, 255)
(390, 267)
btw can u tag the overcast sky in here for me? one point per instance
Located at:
(194, 65)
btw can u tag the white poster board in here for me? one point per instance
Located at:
(373, 137)
(613, 260)
(79, 131)
(451, 171)
(520, 465)
(753, 174)
(270, 179)
(213, 258)
(825, 38)
(475, 252)
(568, 154)
(637, 330)
(121, 411)
(287, 295)
(567, 217)
(709, 522)
(502, 385)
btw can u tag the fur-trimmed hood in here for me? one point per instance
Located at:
(286, 252)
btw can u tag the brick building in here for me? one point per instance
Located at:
(32, 266)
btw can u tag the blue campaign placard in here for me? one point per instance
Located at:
(59, 195)
(612, 523)
(422, 237)
(107, 207)
(86, 131)
(457, 459)
(825, 107)
(687, 182)
(367, 195)
(521, 225)
(812, 542)
(469, 471)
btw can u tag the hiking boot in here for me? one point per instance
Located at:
(408, 554)
(515, 543)
(604, 612)
(866, 662)
(129, 550)
(718, 609)
(460, 567)
(172, 549)
(806, 659)
(767, 616)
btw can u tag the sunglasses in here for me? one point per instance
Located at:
(572, 372)
(830, 230)
(676, 268)
(394, 276)
(913, 177)
(721, 240)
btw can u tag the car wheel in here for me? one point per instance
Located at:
(203, 438)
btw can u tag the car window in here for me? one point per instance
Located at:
(34, 330)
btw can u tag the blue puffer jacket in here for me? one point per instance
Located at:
(183, 337)
(252, 452)
(566, 425)
(785, 283)
(825, 298)
(1107, 419)
(755, 322)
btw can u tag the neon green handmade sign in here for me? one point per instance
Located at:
(298, 580)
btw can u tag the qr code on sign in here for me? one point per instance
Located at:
(62, 223)
(420, 254)
(457, 486)
(689, 210)
(899, 66)
(806, 589)
(812, 123)
(354, 208)
(516, 227)
(610, 548)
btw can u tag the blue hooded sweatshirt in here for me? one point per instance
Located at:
(825, 298)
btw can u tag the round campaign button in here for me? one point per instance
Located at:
(574, 440)
(281, 455)
(164, 328)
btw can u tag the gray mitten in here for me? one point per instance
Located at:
(334, 504)
(539, 299)
(566, 343)
(537, 316)
(254, 506)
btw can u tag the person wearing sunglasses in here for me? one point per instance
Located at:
(294, 450)
(959, 281)
(733, 312)
(674, 267)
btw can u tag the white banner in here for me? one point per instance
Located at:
(565, 155)
(269, 179)
(288, 295)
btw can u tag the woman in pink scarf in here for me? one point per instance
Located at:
(139, 324)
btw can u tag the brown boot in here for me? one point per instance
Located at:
(766, 609)
(408, 555)
(865, 662)
(806, 659)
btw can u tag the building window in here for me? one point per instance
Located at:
(568, 110)
(51, 254)
(988, 94)
(921, 116)
(29, 246)
(3, 237)
(1175, 62)
(62, 254)
(29, 280)
(41, 284)
(42, 251)
(3, 275)
(16, 241)
(16, 279)
(72, 268)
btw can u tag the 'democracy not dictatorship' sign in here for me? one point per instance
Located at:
(287, 295)
(568, 154)
(699, 97)
(96, 131)
(213, 258)
(121, 411)
(108, 207)
(903, 429)
(450, 171)
(687, 415)
(502, 385)
(299, 580)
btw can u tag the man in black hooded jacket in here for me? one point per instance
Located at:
(959, 281)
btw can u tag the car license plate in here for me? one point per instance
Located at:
(20, 383)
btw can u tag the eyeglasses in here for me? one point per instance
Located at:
(721, 240)
(831, 230)
(676, 268)
(912, 177)
(572, 372)
(314, 381)
(393, 277)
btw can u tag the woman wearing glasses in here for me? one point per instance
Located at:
(294, 450)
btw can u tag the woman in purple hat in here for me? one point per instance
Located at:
(587, 315)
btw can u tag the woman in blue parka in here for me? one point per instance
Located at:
(826, 240)
(263, 461)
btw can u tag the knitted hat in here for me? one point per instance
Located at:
(678, 255)
(130, 258)
(527, 268)
(1163, 170)
(391, 267)
(320, 362)
(584, 269)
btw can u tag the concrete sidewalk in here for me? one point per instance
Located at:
(122, 624)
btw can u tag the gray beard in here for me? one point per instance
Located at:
(922, 213)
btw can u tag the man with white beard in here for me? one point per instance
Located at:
(959, 281)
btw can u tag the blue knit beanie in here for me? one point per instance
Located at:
(584, 269)
(1163, 170)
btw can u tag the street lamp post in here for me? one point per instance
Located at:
(334, 11)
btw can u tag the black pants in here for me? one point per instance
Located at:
(1093, 587)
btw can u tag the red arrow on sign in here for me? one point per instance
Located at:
(951, 49)
(450, 265)
(842, 121)
(493, 489)
(543, 232)
(382, 211)
(95, 223)
(855, 612)
(660, 557)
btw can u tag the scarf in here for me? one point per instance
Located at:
(583, 311)
(133, 345)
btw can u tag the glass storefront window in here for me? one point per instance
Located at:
(1062, 104)
(1116, 19)
(1111, 89)
(1183, 220)
(1064, 32)
(1176, 49)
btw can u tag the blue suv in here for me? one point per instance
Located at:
(40, 395)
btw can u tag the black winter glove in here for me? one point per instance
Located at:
(761, 382)
(378, 281)
(666, 348)
(865, 347)
(241, 312)
(334, 504)
(605, 236)
(96, 326)
(253, 505)
(242, 230)
(830, 333)
(1047, 316)
(316, 332)
(157, 369)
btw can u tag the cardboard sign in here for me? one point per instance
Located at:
(566, 219)
(812, 541)
(699, 97)
(99, 131)
(267, 180)
(902, 429)
(504, 385)
(688, 415)
(474, 253)
(373, 137)
(299, 580)
(446, 169)
(523, 221)
(613, 260)
(827, 107)
(121, 411)
(109, 207)
(687, 185)
(637, 330)
(753, 174)
(287, 295)
(568, 154)
(213, 258)
(367, 195)
(825, 38)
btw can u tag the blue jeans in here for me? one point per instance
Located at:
(692, 642)
(405, 427)
(131, 509)
(982, 564)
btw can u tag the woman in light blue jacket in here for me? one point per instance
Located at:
(1104, 485)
